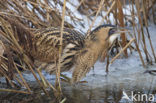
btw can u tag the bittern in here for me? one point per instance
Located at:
(79, 51)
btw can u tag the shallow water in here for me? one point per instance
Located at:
(101, 87)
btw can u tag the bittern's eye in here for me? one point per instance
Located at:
(112, 31)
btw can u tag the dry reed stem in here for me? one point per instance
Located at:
(4, 66)
(108, 12)
(140, 55)
(142, 31)
(33, 72)
(7, 77)
(42, 78)
(21, 83)
(63, 101)
(99, 9)
(51, 86)
(12, 90)
(128, 44)
(25, 83)
(134, 25)
(1, 48)
(121, 23)
(14, 62)
(60, 48)
(25, 58)
(146, 25)
(153, 52)
(79, 4)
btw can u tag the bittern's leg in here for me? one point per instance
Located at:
(107, 65)
(93, 70)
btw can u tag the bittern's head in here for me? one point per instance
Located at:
(105, 33)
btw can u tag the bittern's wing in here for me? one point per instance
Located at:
(47, 45)
(51, 36)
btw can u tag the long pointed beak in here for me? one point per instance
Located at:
(122, 30)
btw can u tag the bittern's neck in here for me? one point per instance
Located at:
(96, 46)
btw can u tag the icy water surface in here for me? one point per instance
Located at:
(101, 87)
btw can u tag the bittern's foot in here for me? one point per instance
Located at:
(69, 80)
(65, 78)
(82, 81)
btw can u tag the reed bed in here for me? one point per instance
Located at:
(22, 17)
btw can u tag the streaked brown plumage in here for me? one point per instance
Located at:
(46, 45)
(79, 51)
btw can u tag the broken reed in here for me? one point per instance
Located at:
(45, 14)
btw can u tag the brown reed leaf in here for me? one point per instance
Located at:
(2, 48)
